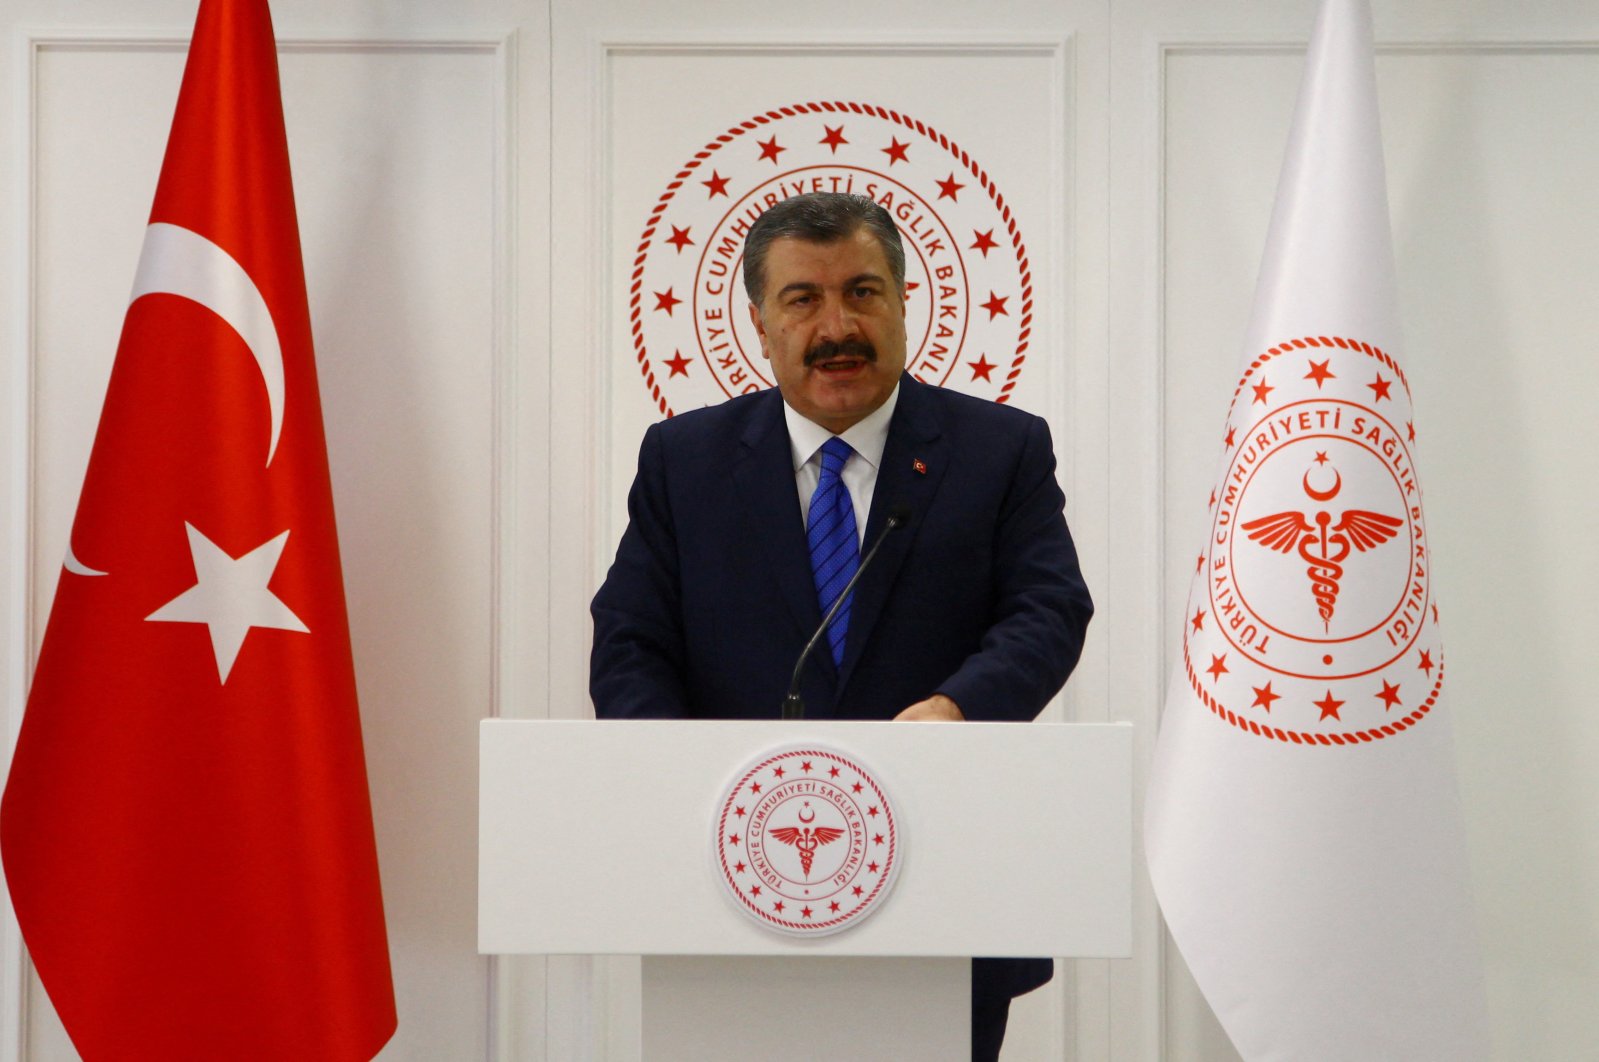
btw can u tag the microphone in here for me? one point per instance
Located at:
(899, 514)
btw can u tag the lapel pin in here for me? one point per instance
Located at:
(919, 466)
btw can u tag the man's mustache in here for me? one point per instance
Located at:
(849, 348)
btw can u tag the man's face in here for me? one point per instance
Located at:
(832, 324)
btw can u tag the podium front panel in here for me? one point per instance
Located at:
(594, 837)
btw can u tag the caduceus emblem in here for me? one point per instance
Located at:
(806, 838)
(1323, 544)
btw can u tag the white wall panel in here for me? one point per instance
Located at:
(640, 90)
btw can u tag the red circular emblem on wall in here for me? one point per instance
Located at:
(969, 288)
(1311, 618)
(806, 841)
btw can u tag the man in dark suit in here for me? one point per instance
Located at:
(747, 518)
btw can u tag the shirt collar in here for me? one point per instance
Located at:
(866, 437)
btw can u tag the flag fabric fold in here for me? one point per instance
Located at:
(186, 827)
(1303, 828)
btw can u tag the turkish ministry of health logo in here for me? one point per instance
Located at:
(969, 297)
(806, 841)
(1311, 618)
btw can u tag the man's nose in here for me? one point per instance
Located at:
(838, 321)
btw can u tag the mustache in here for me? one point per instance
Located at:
(849, 348)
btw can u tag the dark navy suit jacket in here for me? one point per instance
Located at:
(710, 599)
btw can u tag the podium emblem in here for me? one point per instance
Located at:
(806, 841)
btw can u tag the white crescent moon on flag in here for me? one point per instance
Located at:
(177, 261)
(76, 566)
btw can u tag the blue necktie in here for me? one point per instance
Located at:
(835, 551)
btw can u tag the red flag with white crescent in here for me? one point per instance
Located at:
(186, 829)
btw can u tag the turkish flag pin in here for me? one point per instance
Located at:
(919, 466)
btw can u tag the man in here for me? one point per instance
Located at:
(747, 519)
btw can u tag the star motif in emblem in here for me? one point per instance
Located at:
(1410, 429)
(981, 368)
(1264, 697)
(1199, 565)
(833, 906)
(805, 765)
(856, 787)
(877, 838)
(832, 772)
(871, 868)
(1389, 696)
(665, 300)
(739, 812)
(755, 787)
(872, 811)
(778, 771)
(1262, 389)
(770, 150)
(230, 596)
(677, 363)
(679, 238)
(1435, 614)
(949, 188)
(755, 890)
(1218, 666)
(995, 305)
(1212, 502)
(732, 838)
(857, 890)
(778, 906)
(1199, 614)
(1321, 457)
(738, 868)
(1232, 434)
(717, 185)
(985, 241)
(1320, 372)
(834, 138)
(1329, 706)
(1379, 387)
(895, 151)
(1426, 663)
(806, 911)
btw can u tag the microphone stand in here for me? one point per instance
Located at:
(793, 703)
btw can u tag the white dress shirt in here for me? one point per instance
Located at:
(867, 438)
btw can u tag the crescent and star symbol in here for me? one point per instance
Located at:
(230, 594)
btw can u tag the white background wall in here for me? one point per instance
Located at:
(472, 179)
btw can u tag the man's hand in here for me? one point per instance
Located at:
(936, 709)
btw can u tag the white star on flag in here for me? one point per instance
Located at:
(231, 596)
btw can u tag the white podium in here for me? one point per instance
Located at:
(596, 838)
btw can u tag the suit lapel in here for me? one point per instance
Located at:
(764, 478)
(914, 460)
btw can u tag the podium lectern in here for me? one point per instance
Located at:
(596, 838)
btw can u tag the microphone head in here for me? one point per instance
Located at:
(899, 513)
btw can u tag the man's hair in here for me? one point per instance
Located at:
(820, 217)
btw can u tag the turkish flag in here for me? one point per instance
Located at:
(186, 829)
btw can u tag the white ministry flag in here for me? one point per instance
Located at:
(1303, 826)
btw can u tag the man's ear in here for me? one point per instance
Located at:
(760, 330)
